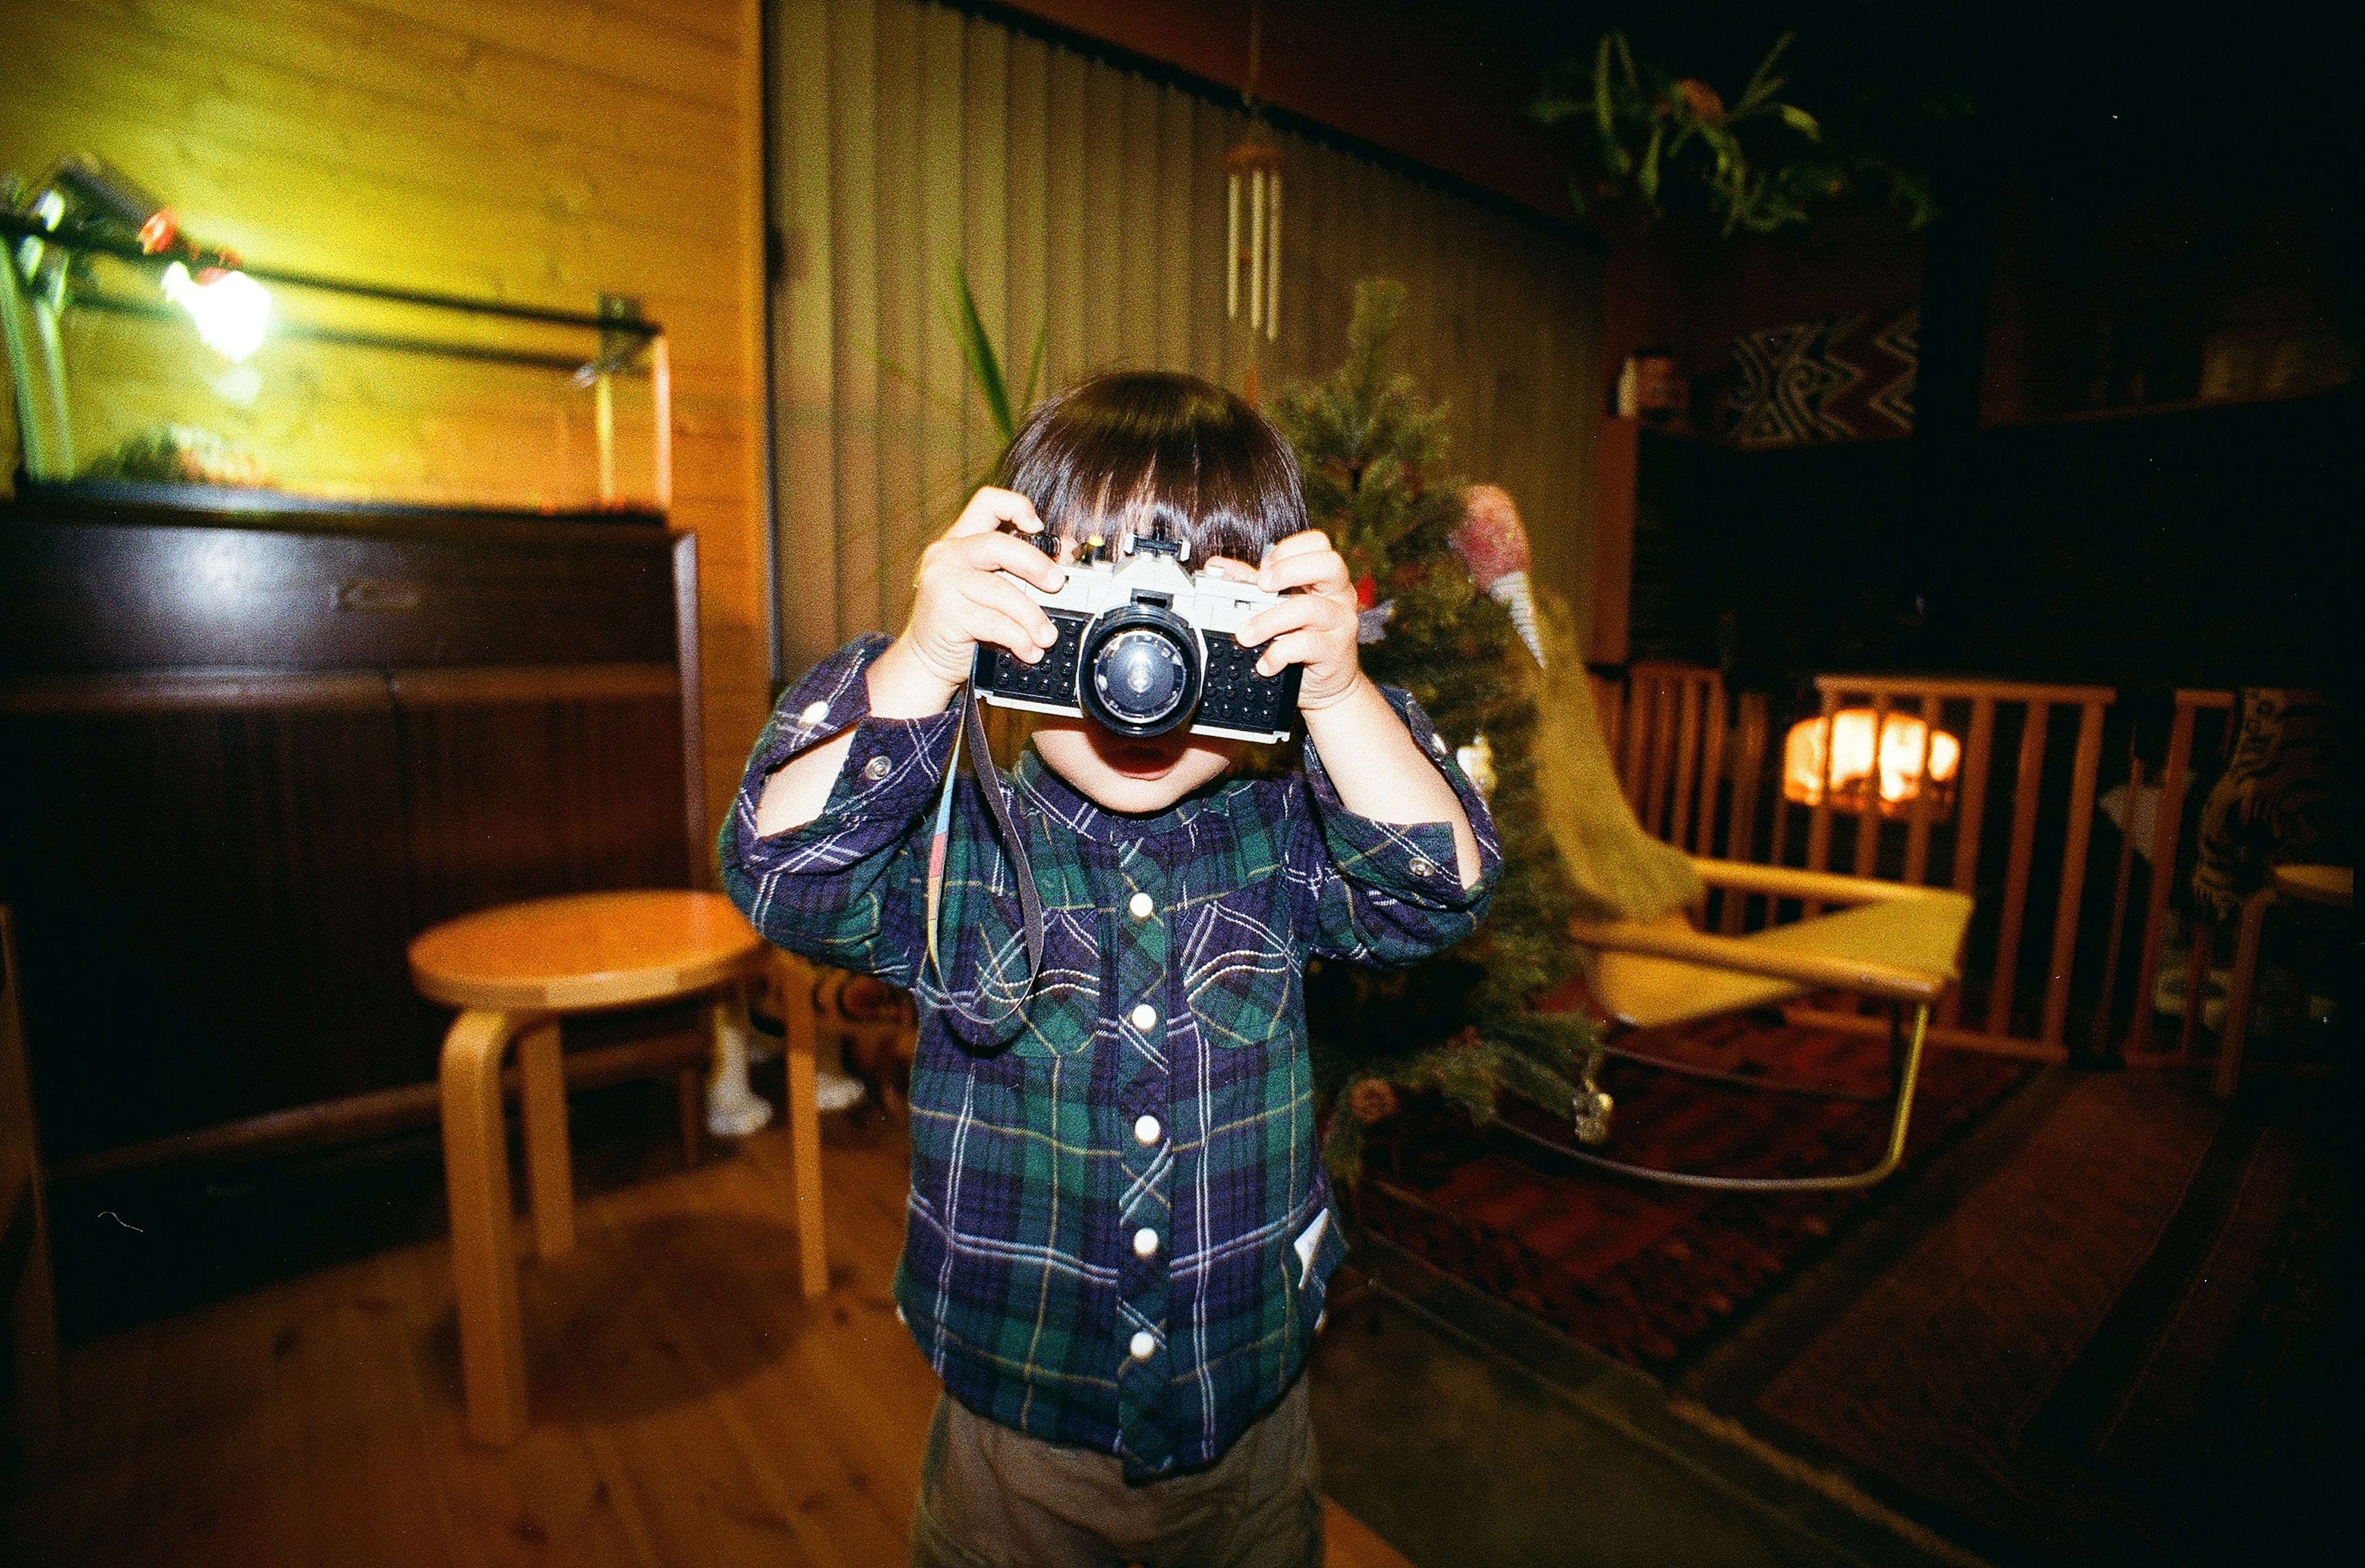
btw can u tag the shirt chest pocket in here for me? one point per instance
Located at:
(1241, 975)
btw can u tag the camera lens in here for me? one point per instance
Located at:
(1141, 672)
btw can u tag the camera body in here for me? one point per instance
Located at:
(1145, 647)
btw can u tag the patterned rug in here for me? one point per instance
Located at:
(2122, 1346)
(1642, 1270)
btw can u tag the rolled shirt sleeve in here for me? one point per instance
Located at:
(1391, 893)
(841, 889)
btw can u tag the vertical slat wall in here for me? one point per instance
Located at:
(1087, 202)
(542, 154)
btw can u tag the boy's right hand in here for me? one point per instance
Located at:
(965, 595)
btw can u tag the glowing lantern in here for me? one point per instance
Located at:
(1842, 749)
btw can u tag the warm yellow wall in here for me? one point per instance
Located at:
(542, 154)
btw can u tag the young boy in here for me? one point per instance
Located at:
(1118, 1234)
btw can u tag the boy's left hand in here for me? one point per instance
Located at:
(1314, 625)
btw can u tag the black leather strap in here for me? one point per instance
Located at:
(1014, 833)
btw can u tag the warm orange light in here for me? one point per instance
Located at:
(1851, 744)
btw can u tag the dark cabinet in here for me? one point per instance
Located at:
(246, 757)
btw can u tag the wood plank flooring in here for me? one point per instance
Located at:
(689, 1406)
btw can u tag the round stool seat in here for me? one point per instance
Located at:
(585, 951)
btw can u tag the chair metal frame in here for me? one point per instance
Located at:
(1798, 971)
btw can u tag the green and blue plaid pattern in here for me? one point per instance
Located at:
(1118, 1231)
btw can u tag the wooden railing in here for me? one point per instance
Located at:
(1692, 759)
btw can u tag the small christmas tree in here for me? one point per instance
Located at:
(1463, 1024)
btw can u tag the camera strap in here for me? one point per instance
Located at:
(972, 735)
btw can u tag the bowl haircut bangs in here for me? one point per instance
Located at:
(1164, 454)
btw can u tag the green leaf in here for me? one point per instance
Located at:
(1803, 122)
(1759, 86)
(1033, 375)
(984, 367)
(1647, 181)
(1602, 91)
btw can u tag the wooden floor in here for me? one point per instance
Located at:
(689, 1407)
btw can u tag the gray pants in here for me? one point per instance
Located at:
(992, 1497)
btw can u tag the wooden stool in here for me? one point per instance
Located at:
(514, 971)
(2332, 885)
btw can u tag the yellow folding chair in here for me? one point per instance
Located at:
(1894, 941)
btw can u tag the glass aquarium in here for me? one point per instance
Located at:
(142, 367)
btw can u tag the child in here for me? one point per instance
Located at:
(1118, 1234)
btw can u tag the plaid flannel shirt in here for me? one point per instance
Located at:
(1118, 1234)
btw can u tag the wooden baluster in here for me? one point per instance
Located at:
(1639, 689)
(1916, 830)
(1662, 747)
(1687, 745)
(1609, 707)
(1970, 815)
(2168, 827)
(1819, 820)
(2016, 887)
(2126, 870)
(1867, 816)
(1711, 769)
(1740, 820)
(2080, 826)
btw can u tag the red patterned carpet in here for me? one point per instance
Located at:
(1643, 1270)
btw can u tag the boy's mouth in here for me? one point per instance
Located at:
(1137, 759)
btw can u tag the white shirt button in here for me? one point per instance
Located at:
(878, 767)
(1421, 867)
(1145, 1017)
(814, 714)
(1141, 906)
(1145, 1243)
(1144, 1346)
(1146, 1131)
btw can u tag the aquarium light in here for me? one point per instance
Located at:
(231, 309)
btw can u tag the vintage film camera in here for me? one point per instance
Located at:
(1146, 647)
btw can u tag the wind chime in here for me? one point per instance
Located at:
(1252, 191)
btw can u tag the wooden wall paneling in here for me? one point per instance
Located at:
(535, 155)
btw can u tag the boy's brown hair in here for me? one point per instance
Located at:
(1166, 455)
